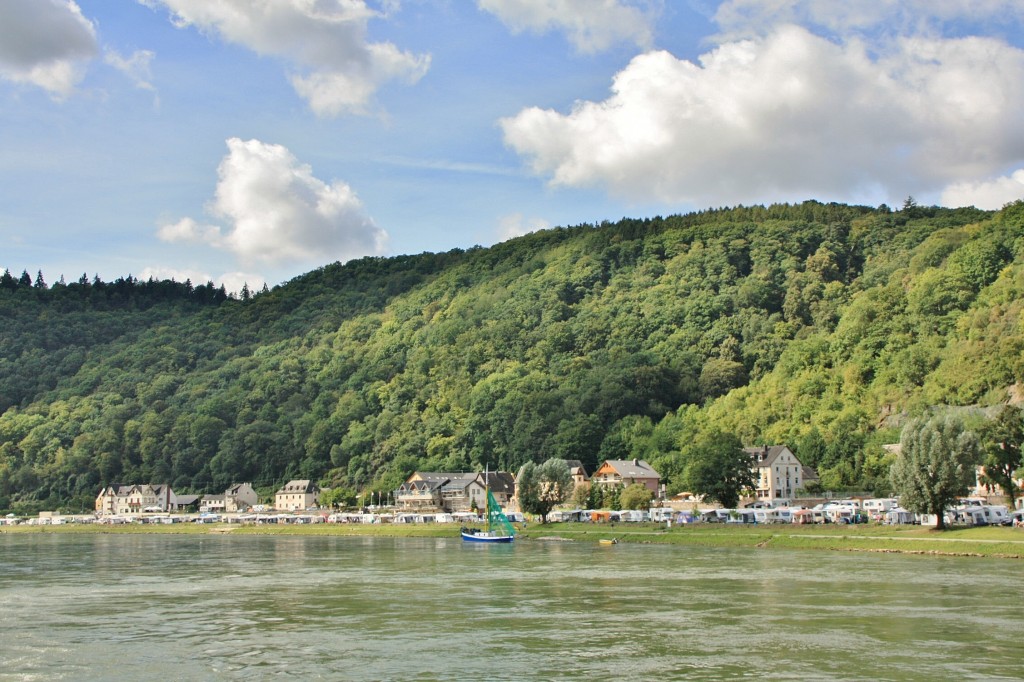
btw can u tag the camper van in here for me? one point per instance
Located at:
(995, 514)
(879, 505)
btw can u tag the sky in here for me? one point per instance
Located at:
(251, 141)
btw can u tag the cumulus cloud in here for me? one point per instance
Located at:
(787, 116)
(515, 225)
(45, 43)
(336, 70)
(991, 194)
(232, 281)
(278, 212)
(188, 230)
(590, 25)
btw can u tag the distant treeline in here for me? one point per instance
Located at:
(122, 291)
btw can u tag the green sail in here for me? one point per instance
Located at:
(496, 519)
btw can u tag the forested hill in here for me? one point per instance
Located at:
(815, 325)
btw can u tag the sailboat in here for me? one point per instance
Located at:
(498, 527)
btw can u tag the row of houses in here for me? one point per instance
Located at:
(117, 500)
(777, 472)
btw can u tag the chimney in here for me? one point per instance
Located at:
(636, 462)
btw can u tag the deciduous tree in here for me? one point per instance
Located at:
(720, 469)
(542, 487)
(1001, 442)
(635, 496)
(935, 465)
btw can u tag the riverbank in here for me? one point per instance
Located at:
(992, 541)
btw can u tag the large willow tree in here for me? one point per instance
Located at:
(935, 465)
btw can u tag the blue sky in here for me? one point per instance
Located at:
(254, 140)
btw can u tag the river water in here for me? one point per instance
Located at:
(223, 607)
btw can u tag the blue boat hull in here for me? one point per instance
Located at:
(484, 537)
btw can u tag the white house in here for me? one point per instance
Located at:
(134, 499)
(297, 495)
(777, 472)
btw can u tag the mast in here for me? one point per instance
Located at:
(487, 497)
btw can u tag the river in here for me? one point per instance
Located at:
(223, 607)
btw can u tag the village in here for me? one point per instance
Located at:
(458, 498)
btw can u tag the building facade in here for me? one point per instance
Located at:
(778, 474)
(623, 472)
(297, 495)
(136, 499)
(449, 492)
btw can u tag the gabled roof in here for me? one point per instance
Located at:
(765, 455)
(121, 490)
(458, 481)
(576, 467)
(501, 482)
(435, 476)
(631, 468)
(298, 486)
(117, 489)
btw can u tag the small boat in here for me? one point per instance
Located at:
(606, 541)
(472, 535)
(498, 527)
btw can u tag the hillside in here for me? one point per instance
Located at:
(818, 325)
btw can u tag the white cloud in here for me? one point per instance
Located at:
(188, 230)
(45, 43)
(279, 213)
(991, 194)
(232, 281)
(787, 117)
(160, 274)
(515, 225)
(337, 69)
(136, 67)
(590, 25)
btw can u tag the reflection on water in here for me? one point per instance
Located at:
(100, 607)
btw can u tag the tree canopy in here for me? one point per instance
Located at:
(635, 496)
(541, 487)
(720, 469)
(935, 465)
(1002, 439)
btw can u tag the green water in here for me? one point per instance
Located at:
(156, 607)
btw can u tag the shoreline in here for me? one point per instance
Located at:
(985, 542)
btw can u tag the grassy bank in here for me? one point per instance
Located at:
(988, 542)
(984, 542)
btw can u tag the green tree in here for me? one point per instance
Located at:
(719, 376)
(337, 497)
(635, 496)
(581, 495)
(1001, 441)
(541, 487)
(935, 465)
(719, 469)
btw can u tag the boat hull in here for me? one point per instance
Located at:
(485, 537)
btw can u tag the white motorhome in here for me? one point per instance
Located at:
(995, 514)
(879, 505)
